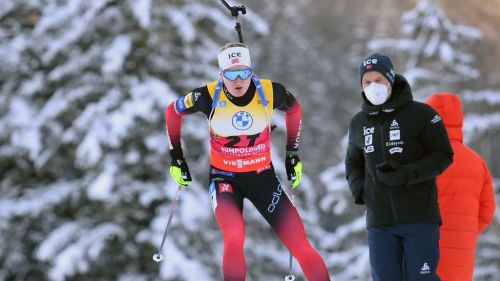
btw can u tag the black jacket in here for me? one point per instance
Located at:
(412, 137)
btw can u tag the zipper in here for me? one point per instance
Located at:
(382, 150)
(382, 141)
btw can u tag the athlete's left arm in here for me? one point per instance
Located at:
(286, 102)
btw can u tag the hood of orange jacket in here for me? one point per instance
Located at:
(449, 108)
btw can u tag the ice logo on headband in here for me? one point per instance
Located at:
(242, 120)
(234, 56)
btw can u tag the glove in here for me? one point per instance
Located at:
(293, 167)
(392, 174)
(179, 169)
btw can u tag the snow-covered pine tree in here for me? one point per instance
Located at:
(432, 52)
(346, 243)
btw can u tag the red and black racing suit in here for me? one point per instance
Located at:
(241, 168)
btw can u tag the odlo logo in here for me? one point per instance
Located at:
(425, 269)
(275, 199)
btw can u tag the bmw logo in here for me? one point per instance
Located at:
(242, 120)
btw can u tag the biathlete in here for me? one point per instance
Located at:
(239, 108)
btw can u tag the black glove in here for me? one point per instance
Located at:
(179, 169)
(293, 167)
(392, 174)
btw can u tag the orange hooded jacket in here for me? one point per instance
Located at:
(466, 196)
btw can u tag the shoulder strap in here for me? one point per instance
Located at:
(218, 88)
(256, 80)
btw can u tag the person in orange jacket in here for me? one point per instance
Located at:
(466, 196)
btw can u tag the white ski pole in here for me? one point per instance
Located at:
(158, 257)
(290, 276)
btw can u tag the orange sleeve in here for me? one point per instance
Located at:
(487, 203)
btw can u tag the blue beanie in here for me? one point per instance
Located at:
(379, 63)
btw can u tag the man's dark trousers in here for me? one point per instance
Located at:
(408, 252)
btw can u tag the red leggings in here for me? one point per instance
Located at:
(228, 190)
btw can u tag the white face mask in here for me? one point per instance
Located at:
(376, 93)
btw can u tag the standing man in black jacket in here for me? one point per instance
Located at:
(396, 149)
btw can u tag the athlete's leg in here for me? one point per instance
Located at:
(227, 203)
(421, 251)
(267, 194)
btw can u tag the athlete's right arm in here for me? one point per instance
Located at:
(197, 100)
